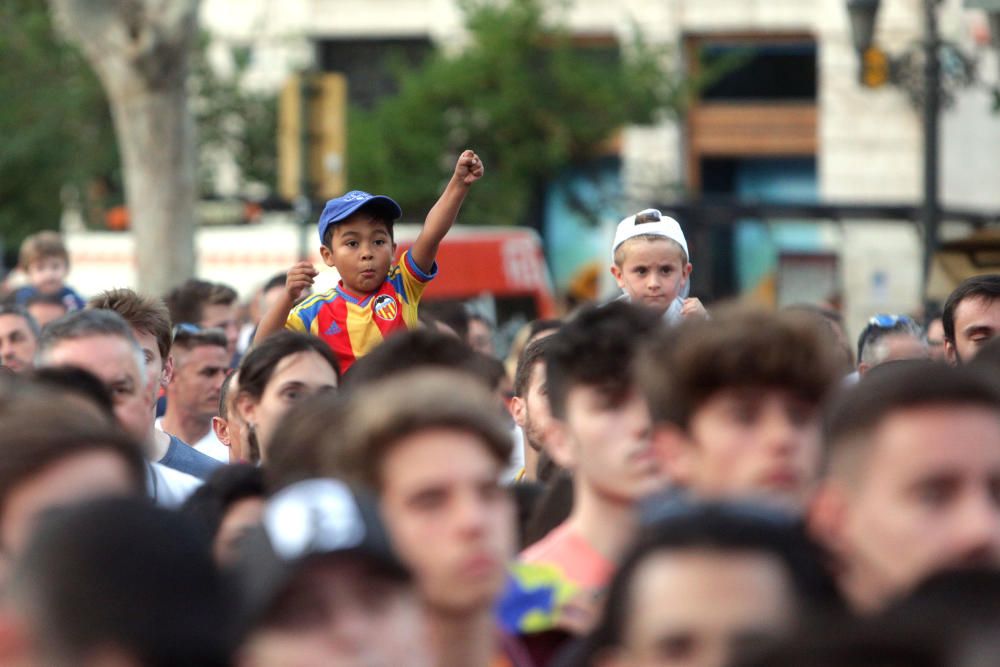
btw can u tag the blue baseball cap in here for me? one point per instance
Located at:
(340, 208)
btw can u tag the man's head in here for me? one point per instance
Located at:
(18, 338)
(530, 405)
(356, 235)
(149, 320)
(912, 478)
(119, 582)
(207, 305)
(229, 504)
(58, 452)
(889, 338)
(321, 584)
(736, 403)
(433, 446)
(45, 307)
(650, 259)
(971, 317)
(201, 363)
(601, 426)
(481, 335)
(696, 587)
(44, 258)
(101, 342)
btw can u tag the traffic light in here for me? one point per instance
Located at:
(312, 136)
(876, 68)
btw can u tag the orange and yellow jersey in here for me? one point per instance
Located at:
(353, 325)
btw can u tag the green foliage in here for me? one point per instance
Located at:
(232, 119)
(55, 122)
(522, 95)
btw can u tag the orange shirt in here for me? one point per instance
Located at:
(579, 562)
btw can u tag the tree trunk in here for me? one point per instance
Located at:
(140, 51)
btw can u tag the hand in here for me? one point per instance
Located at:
(693, 308)
(300, 278)
(469, 168)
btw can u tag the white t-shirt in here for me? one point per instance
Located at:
(168, 487)
(209, 445)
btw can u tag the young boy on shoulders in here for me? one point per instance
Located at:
(43, 257)
(649, 260)
(374, 297)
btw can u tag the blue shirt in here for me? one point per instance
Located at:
(184, 457)
(70, 298)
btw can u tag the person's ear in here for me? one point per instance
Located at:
(863, 368)
(558, 443)
(246, 408)
(619, 277)
(220, 427)
(167, 374)
(518, 410)
(15, 641)
(951, 352)
(327, 255)
(687, 271)
(676, 453)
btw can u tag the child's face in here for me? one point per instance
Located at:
(361, 250)
(608, 444)
(753, 442)
(48, 274)
(652, 273)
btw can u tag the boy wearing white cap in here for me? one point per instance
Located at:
(650, 264)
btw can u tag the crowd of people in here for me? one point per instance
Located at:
(346, 478)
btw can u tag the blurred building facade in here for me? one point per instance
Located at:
(790, 124)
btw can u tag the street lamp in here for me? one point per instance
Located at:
(920, 73)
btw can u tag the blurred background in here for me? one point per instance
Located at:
(809, 148)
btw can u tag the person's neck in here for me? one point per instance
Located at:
(607, 525)
(530, 462)
(360, 295)
(158, 443)
(463, 639)
(187, 426)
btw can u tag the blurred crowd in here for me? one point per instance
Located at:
(344, 478)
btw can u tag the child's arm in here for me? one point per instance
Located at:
(442, 216)
(299, 278)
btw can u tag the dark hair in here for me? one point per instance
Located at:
(533, 354)
(20, 311)
(277, 280)
(187, 301)
(126, 575)
(538, 326)
(85, 324)
(227, 486)
(143, 313)
(451, 313)
(40, 429)
(74, 380)
(188, 339)
(224, 395)
(977, 287)
(875, 331)
(374, 208)
(715, 526)
(46, 299)
(902, 385)
(552, 508)
(596, 349)
(258, 365)
(738, 348)
(409, 350)
(384, 412)
(295, 453)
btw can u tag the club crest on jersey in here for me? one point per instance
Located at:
(385, 307)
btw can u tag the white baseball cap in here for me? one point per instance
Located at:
(648, 221)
